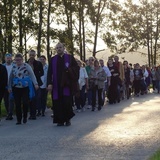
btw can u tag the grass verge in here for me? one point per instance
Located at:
(156, 156)
(49, 105)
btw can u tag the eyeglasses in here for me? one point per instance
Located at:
(32, 55)
(17, 60)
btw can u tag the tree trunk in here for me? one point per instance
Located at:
(68, 12)
(20, 28)
(156, 36)
(96, 29)
(48, 30)
(80, 30)
(6, 27)
(71, 29)
(40, 29)
(84, 37)
(148, 39)
(25, 45)
(1, 43)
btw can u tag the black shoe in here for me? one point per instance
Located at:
(93, 109)
(43, 114)
(38, 114)
(9, 118)
(99, 108)
(33, 117)
(18, 123)
(25, 120)
(118, 100)
(30, 117)
(68, 123)
(60, 124)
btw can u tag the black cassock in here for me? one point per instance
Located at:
(62, 106)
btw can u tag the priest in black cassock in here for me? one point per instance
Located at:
(62, 78)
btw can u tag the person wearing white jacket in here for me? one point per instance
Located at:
(83, 86)
(42, 93)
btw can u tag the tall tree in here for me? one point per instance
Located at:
(40, 27)
(49, 28)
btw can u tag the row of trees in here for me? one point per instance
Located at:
(124, 27)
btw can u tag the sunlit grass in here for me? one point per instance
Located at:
(156, 156)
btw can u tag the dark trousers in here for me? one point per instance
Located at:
(6, 100)
(94, 91)
(80, 100)
(154, 84)
(42, 99)
(21, 97)
(1, 96)
(137, 86)
(9, 102)
(89, 96)
(34, 102)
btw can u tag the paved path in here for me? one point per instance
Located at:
(126, 131)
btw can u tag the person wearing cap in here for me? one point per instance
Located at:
(3, 82)
(38, 71)
(43, 88)
(8, 98)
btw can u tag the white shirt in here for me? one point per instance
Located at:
(107, 71)
(82, 77)
(145, 74)
(44, 77)
(9, 68)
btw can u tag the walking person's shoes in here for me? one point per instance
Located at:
(25, 120)
(18, 123)
(68, 123)
(99, 108)
(43, 114)
(9, 117)
(38, 114)
(78, 110)
(60, 124)
(89, 107)
(32, 118)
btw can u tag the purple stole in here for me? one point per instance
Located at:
(66, 90)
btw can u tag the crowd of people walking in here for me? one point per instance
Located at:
(71, 83)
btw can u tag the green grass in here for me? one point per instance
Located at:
(49, 105)
(49, 100)
(3, 110)
(156, 156)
